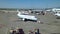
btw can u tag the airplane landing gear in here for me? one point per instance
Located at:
(23, 19)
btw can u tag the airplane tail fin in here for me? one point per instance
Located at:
(18, 12)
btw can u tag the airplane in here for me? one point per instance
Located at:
(56, 12)
(26, 17)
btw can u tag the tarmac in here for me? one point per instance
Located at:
(10, 20)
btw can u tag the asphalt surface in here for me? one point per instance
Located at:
(10, 20)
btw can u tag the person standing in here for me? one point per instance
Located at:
(37, 31)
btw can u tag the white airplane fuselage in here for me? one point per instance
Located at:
(28, 17)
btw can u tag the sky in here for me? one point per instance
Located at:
(29, 3)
